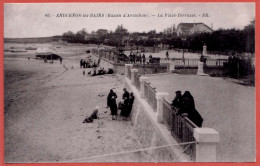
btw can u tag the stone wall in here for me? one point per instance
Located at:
(106, 64)
(150, 133)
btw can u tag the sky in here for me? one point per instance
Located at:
(41, 19)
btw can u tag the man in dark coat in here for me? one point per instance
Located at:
(126, 96)
(111, 102)
(109, 97)
(177, 101)
(143, 57)
(130, 104)
(188, 106)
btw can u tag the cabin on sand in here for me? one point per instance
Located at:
(46, 53)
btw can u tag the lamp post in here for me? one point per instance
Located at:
(183, 40)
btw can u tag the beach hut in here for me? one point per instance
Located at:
(46, 53)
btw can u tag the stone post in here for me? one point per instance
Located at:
(142, 80)
(205, 150)
(172, 66)
(126, 68)
(133, 73)
(200, 69)
(160, 96)
(204, 52)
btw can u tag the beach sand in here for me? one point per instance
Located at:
(45, 105)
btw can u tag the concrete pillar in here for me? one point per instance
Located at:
(172, 66)
(204, 52)
(160, 96)
(126, 68)
(200, 69)
(205, 150)
(142, 80)
(133, 72)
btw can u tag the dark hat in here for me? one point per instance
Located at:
(124, 89)
(178, 91)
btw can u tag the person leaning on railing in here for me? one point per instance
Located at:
(177, 102)
(188, 106)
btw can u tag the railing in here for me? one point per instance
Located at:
(215, 62)
(181, 127)
(150, 95)
(186, 62)
(151, 68)
(137, 81)
(194, 62)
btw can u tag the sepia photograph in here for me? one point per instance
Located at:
(129, 82)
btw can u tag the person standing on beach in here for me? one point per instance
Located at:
(131, 102)
(126, 96)
(111, 103)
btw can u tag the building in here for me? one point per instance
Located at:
(185, 29)
(46, 53)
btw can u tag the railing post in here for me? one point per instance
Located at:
(172, 65)
(133, 72)
(200, 69)
(159, 97)
(126, 69)
(142, 81)
(207, 139)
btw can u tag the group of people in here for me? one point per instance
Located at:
(184, 104)
(125, 105)
(137, 58)
(233, 64)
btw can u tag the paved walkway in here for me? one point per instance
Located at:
(225, 106)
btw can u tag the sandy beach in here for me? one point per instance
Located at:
(45, 105)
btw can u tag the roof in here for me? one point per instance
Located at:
(45, 51)
(189, 26)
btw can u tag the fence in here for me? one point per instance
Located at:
(180, 127)
(194, 62)
(151, 68)
(150, 95)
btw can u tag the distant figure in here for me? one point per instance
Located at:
(83, 72)
(60, 60)
(177, 101)
(45, 60)
(81, 63)
(143, 57)
(28, 58)
(167, 56)
(134, 58)
(150, 59)
(188, 106)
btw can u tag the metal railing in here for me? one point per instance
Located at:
(181, 127)
(194, 62)
(151, 68)
(150, 95)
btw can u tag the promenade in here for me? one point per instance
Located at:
(225, 106)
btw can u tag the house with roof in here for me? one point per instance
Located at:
(185, 29)
(46, 53)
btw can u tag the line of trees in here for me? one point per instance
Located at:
(222, 40)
